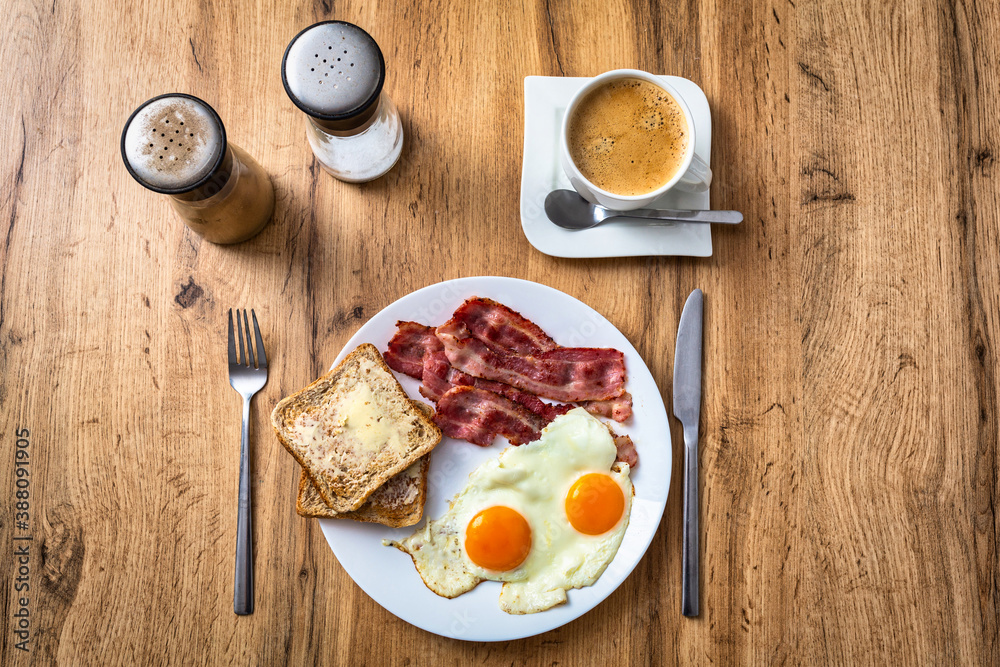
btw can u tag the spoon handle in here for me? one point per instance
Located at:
(717, 217)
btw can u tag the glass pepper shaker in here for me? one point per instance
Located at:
(176, 145)
(334, 72)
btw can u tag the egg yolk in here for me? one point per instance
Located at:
(498, 538)
(595, 503)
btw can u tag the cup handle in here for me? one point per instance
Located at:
(697, 178)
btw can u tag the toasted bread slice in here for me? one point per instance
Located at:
(397, 503)
(353, 429)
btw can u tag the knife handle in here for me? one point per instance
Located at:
(689, 565)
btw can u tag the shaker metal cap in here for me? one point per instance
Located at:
(173, 143)
(333, 71)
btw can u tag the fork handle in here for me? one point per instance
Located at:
(243, 589)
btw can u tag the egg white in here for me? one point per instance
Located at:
(532, 479)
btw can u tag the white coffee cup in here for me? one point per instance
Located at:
(694, 174)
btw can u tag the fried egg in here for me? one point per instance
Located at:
(542, 518)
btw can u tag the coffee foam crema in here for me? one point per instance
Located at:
(173, 143)
(628, 137)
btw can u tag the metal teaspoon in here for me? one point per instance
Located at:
(569, 210)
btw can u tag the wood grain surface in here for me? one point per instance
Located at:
(850, 420)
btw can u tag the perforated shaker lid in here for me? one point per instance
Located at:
(173, 143)
(334, 72)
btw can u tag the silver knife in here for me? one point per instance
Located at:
(687, 410)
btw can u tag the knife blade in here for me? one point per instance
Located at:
(687, 410)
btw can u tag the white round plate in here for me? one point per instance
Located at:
(388, 575)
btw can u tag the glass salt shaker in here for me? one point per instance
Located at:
(334, 71)
(176, 145)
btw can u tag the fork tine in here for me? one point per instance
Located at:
(232, 340)
(251, 362)
(239, 334)
(261, 356)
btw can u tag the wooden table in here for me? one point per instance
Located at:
(849, 427)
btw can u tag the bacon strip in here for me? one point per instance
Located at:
(479, 416)
(440, 376)
(564, 374)
(502, 327)
(626, 450)
(408, 346)
(498, 326)
(547, 411)
(618, 409)
(513, 357)
(412, 341)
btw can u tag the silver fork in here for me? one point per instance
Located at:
(247, 375)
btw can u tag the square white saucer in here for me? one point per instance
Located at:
(545, 100)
